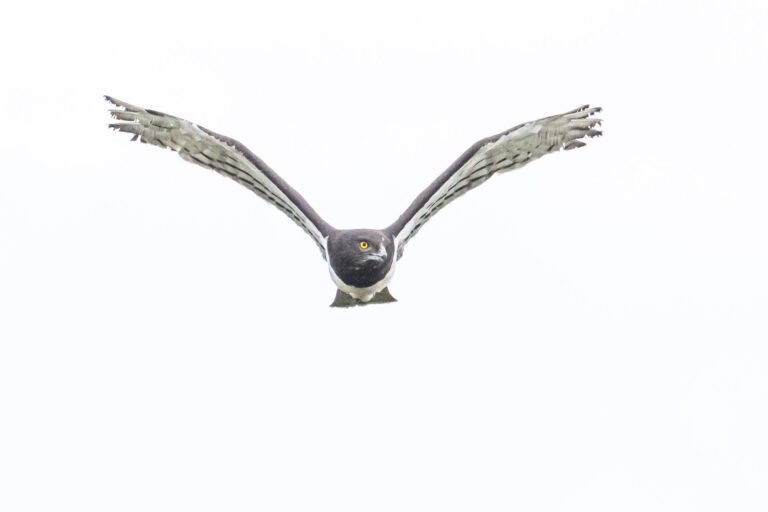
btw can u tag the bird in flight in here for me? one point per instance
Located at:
(361, 261)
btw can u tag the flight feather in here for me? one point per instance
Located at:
(222, 154)
(508, 150)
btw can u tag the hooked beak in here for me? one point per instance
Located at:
(379, 255)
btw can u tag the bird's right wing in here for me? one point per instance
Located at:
(222, 154)
(505, 151)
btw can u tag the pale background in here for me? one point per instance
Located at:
(585, 334)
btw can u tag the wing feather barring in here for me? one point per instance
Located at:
(361, 261)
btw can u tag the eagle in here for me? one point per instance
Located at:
(361, 261)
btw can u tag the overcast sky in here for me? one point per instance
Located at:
(588, 333)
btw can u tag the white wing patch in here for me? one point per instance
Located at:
(213, 151)
(507, 151)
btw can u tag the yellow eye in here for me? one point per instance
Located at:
(363, 245)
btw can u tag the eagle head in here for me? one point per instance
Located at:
(360, 257)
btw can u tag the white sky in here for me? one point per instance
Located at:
(588, 333)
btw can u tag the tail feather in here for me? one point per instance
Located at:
(344, 300)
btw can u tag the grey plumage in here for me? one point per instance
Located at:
(361, 262)
(508, 150)
(344, 300)
(222, 154)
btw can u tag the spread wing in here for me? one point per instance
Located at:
(222, 154)
(503, 152)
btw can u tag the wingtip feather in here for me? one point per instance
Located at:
(574, 144)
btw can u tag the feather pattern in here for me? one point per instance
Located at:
(503, 152)
(222, 154)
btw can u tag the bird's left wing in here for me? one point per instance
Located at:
(222, 154)
(505, 151)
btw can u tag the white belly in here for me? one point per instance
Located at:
(363, 294)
